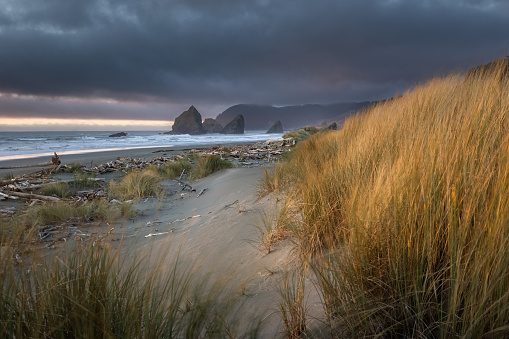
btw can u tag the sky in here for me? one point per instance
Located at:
(124, 60)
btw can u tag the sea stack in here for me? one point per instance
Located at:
(277, 127)
(236, 126)
(189, 122)
(212, 126)
(118, 135)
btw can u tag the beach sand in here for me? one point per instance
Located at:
(217, 231)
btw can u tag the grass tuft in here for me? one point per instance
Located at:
(136, 185)
(276, 228)
(292, 303)
(58, 189)
(8, 176)
(75, 167)
(172, 170)
(62, 211)
(208, 165)
(83, 180)
(273, 181)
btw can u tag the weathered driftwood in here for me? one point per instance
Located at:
(33, 196)
(6, 196)
(230, 205)
(27, 166)
(201, 192)
(55, 160)
(184, 185)
(7, 211)
(180, 220)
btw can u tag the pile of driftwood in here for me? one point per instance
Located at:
(25, 187)
(253, 154)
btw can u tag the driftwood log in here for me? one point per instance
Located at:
(45, 164)
(33, 196)
(4, 196)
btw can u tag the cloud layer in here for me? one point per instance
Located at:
(213, 54)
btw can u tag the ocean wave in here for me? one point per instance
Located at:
(30, 139)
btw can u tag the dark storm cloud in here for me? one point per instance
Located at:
(231, 51)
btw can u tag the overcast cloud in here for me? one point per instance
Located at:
(152, 59)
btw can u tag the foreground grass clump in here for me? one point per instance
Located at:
(208, 165)
(23, 227)
(406, 212)
(136, 185)
(58, 212)
(91, 292)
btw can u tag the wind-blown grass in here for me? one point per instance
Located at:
(172, 170)
(276, 226)
(23, 226)
(136, 185)
(406, 211)
(92, 293)
(208, 165)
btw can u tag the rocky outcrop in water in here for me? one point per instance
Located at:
(212, 126)
(189, 122)
(236, 126)
(118, 135)
(277, 127)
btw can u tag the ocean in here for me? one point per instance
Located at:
(19, 145)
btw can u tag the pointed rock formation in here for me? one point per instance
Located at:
(212, 126)
(236, 126)
(276, 128)
(189, 122)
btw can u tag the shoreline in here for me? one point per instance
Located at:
(18, 167)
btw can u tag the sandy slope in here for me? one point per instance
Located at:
(221, 237)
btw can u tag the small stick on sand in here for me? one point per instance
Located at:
(230, 205)
(201, 192)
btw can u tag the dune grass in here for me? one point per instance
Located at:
(58, 212)
(405, 211)
(293, 303)
(75, 167)
(273, 181)
(8, 176)
(276, 225)
(92, 292)
(172, 170)
(20, 230)
(303, 133)
(58, 189)
(208, 165)
(136, 185)
(82, 180)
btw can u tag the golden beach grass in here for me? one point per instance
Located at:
(406, 211)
